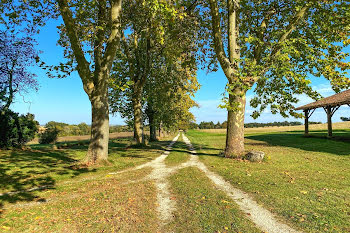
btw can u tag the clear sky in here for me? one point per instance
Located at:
(64, 100)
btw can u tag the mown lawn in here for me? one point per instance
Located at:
(305, 181)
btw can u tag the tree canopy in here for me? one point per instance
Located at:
(274, 47)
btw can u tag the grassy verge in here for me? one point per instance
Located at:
(178, 154)
(202, 208)
(41, 166)
(305, 181)
(103, 205)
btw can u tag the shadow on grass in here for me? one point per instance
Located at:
(317, 142)
(200, 148)
(24, 173)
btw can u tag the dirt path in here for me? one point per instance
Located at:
(262, 218)
(166, 205)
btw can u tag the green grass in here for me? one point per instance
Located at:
(178, 154)
(40, 165)
(202, 208)
(305, 181)
(106, 205)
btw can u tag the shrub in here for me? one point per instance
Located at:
(49, 136)
(16, 130)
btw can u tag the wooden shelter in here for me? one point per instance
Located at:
(330, 104)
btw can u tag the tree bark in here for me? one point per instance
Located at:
(152, 123)
(137, 107)
(235, 126)
(152, 128)
(98, 147)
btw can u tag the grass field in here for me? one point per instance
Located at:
(42, 166)
(305, 181)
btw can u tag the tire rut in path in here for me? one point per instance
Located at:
(262, 218)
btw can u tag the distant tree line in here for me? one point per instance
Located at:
(223, 125)
(345, 118)
(65, 129)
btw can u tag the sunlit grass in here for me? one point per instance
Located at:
(305, 181)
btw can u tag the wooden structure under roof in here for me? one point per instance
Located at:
(330, 104)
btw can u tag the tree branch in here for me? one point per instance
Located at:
(98, 45)
(83, 65)
(217, 37)
(260, 34)
(233, 32)
(290, 28)
(113, 40)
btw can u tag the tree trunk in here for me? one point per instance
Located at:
(137, 107)
(152, 129)
(98, 147)
(152, 124)
(235, 126)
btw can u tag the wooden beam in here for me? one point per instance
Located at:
(306, 111)
(329, 120)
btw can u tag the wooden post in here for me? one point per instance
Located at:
(306, 111)
(329, 120)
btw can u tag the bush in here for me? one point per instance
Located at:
(49, 136)
(16, 130)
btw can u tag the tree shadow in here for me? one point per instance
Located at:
(201, 149)
(25, 173)
(127, 144)
(316, 142)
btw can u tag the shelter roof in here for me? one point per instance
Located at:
(334, 100)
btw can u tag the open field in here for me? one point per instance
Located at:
(312, 127)
(304, 182)
(85, 137)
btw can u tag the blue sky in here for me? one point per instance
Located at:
(64, 100)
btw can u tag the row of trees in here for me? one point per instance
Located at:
(142, 56)
(345, 118)
(65, 129)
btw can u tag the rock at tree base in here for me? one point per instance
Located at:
(255, 156)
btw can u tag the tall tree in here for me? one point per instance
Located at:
(90, 35)
(274, 47)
